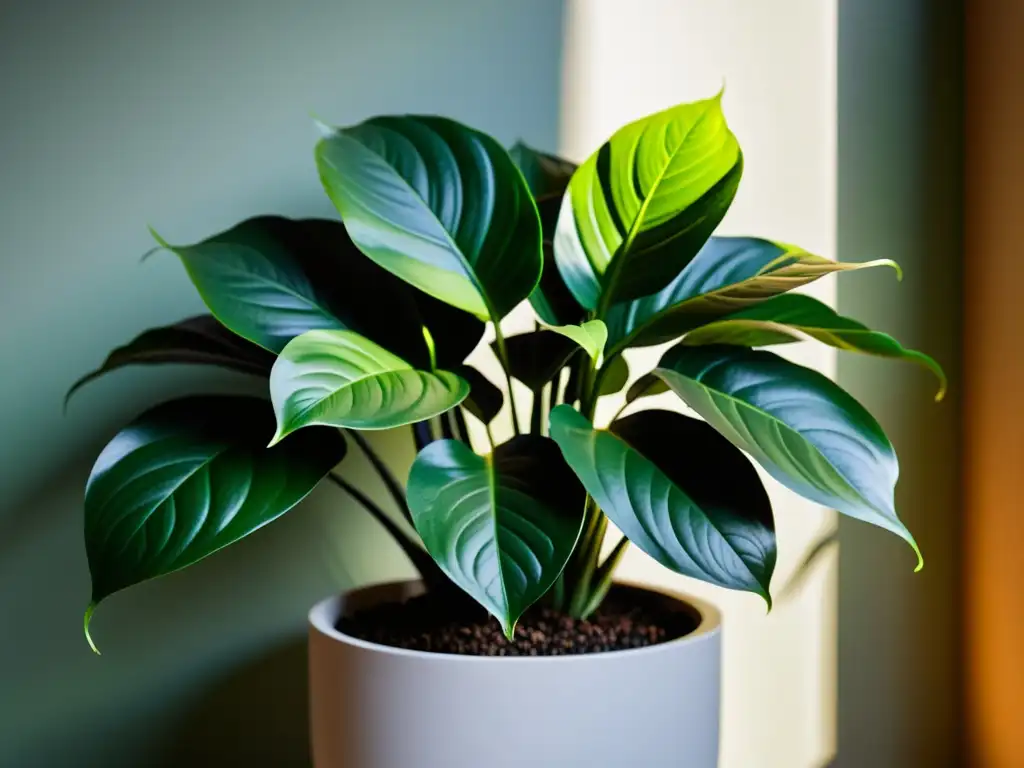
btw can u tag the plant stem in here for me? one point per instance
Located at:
(499, 341)
(422, 435)
(537, 412)
(422, 561)
(591, 553)
(460, 423)
(385, 474)
(602, 580)
(446, 427)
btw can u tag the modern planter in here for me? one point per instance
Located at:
(374, 706)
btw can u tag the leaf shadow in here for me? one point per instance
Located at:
(255, 715)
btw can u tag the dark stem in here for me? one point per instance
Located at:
(537, 412)
(428, 569)
(385, 474)
(422, 435)
(460, 423)
(446, 427)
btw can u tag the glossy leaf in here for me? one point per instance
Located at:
(198, 340)
(591, 336)
(679, 491)
(270, 279)
(485, 399)
(808, 434)
(551, 299)
(640, 208)
(728, 275)
(535, 358)
(793, 317)
(188, 478)
(546, 175)
(341, 379)
(440, 205)
(502, 527)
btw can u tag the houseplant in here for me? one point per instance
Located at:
(366, 324)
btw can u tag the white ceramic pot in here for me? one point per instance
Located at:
(374, 706)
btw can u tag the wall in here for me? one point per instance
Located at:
(188, 115)
(777, 61)
(900, 155)
(993, 420)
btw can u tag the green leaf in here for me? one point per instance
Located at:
(341, 379)
(728, 275)
(186, 479)
(551, 299)
(501, 527)
(440, 205)
(647, 385)
(535, 358)
(591, 336)
(485, 399)
(640, 208)
(270, 279)
(808, 434)
(546, 175)
(792, 317)
(615, 378)
(679, 491)
(198, 340)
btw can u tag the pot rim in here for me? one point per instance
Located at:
(324, 615)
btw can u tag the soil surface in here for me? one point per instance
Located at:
(450, 625)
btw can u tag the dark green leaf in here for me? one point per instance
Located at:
(640, 208)
(198, 340)
(808, 434)
(615, 377)
(535, 358)
(485, 399)
(454, 333)
(546, 175)
(501, 527)
(728, 275)
(679, 491)
(188, 478)
(270, 279)
(342, 379)
(647, 385)
(438, 204)
(792, 317)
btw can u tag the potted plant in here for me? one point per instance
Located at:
(366, 324)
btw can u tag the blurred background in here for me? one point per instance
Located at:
(871, 129)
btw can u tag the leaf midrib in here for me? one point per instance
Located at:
(693, 504)
(780, 424)
(454, 247)
(607, 289)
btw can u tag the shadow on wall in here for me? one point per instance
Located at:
(257, 715)
(203, 667)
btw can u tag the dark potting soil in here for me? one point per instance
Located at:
(446, 625)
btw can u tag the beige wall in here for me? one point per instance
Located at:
(777, 61)
(994, 387)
